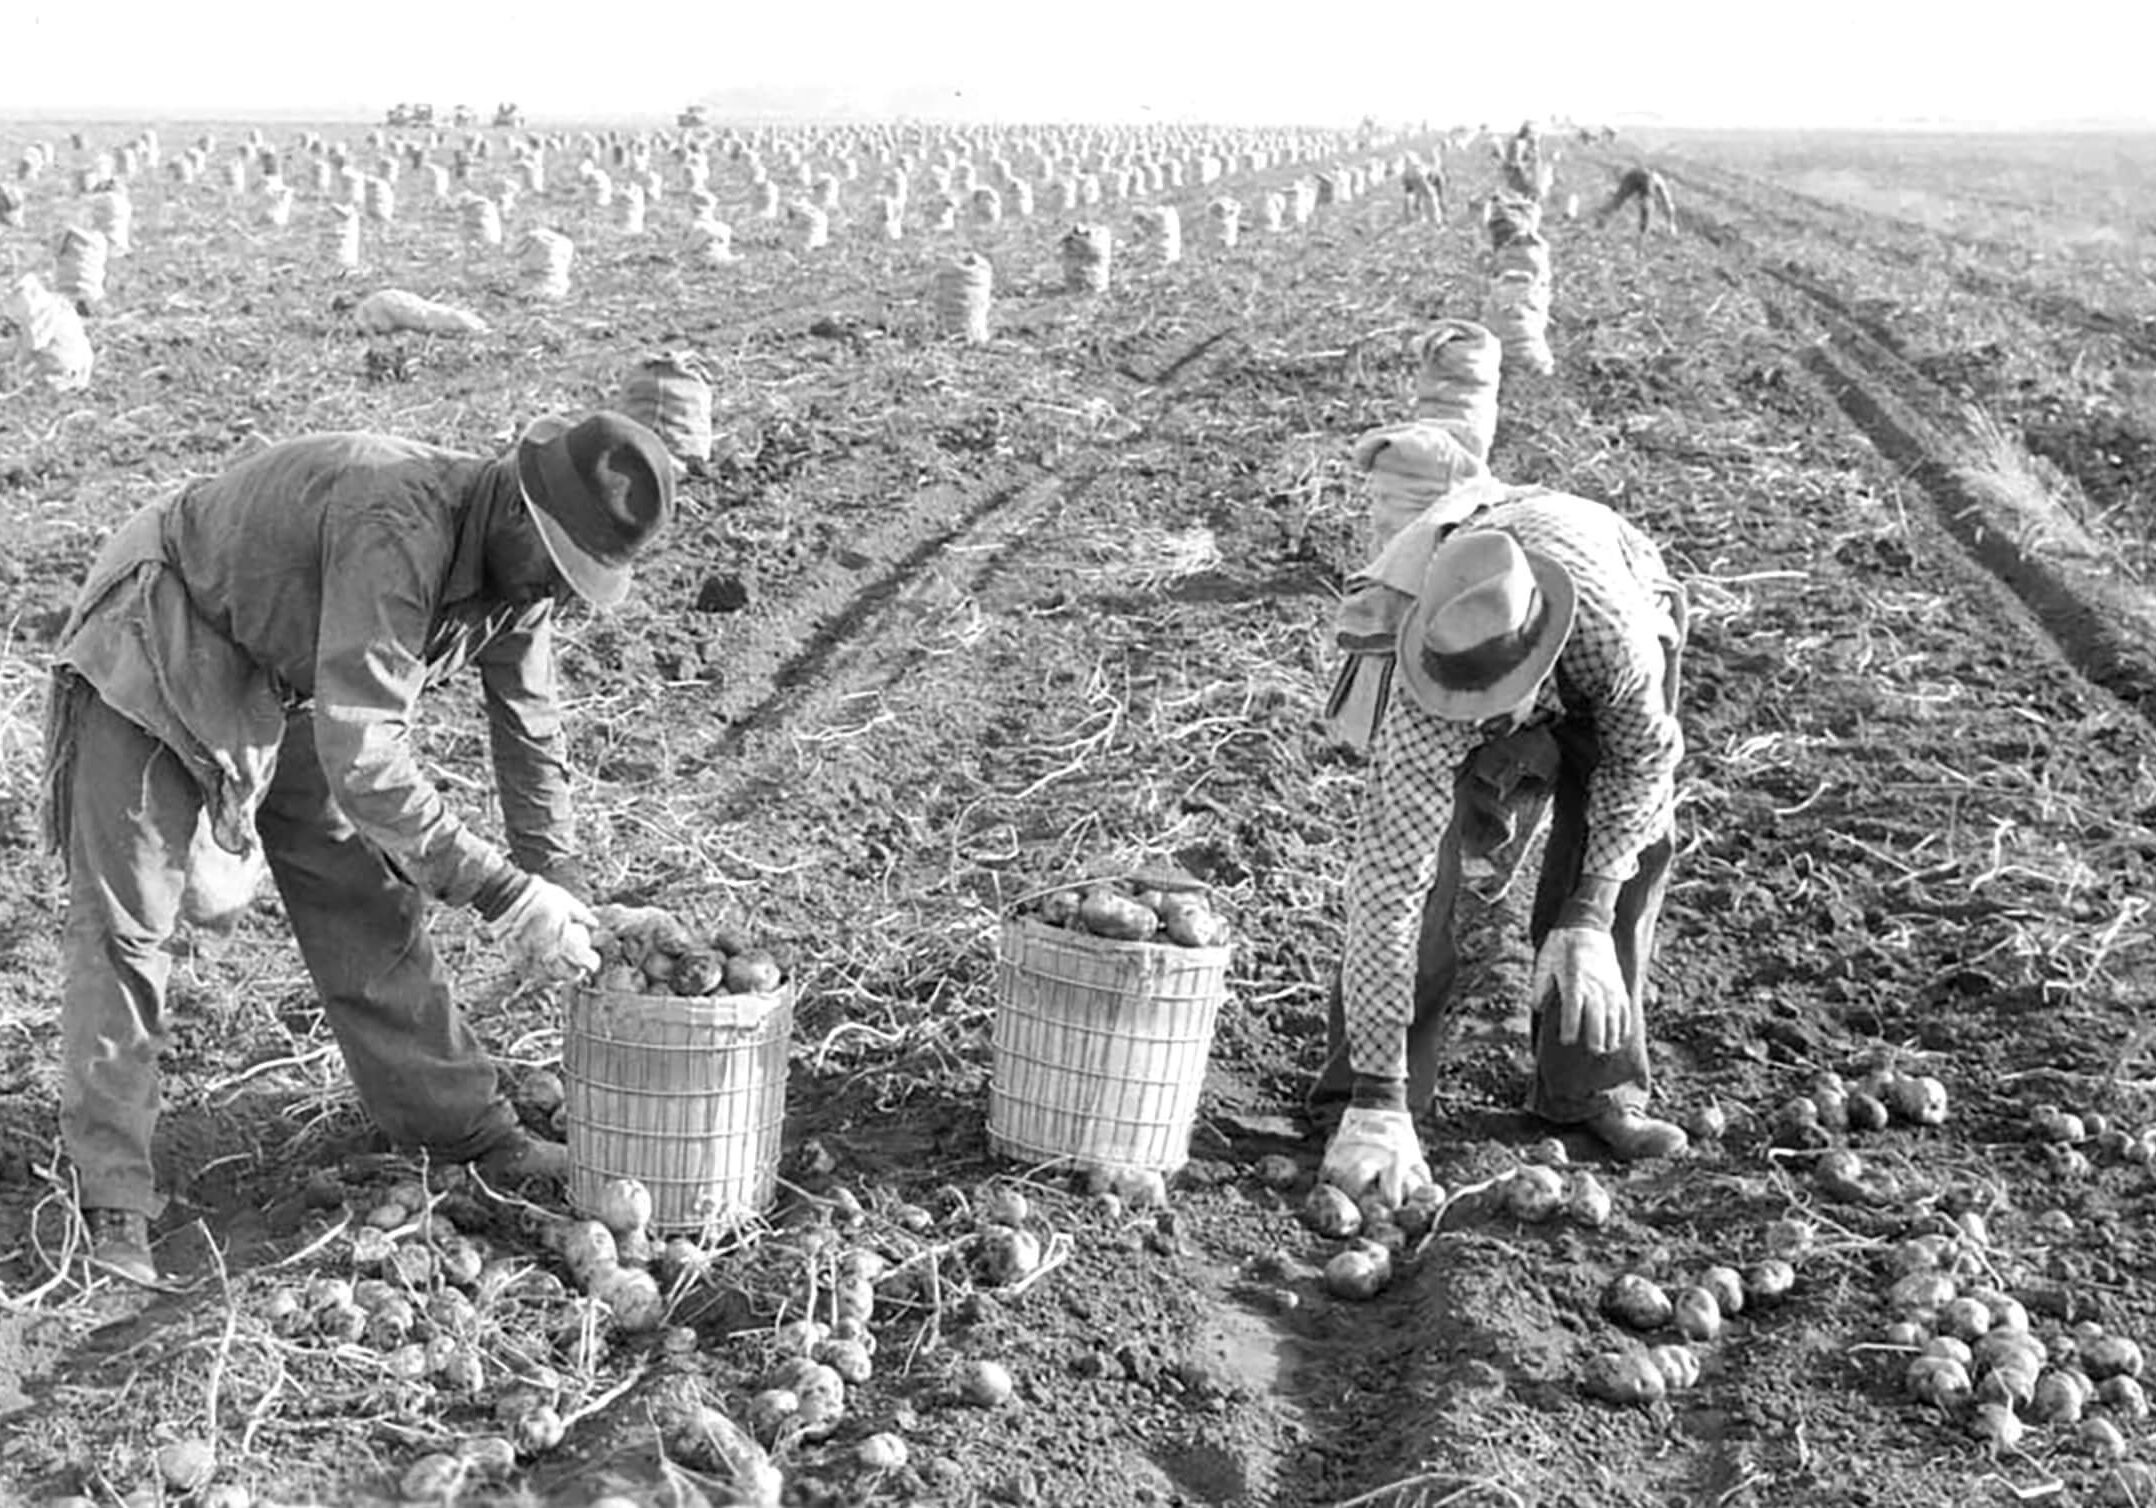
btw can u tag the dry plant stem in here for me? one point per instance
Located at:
(1422, 1480)
(224, 1345)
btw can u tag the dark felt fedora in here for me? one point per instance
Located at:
(1487, 627)
(600, 490)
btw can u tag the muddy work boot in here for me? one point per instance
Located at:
(1632, 1135)
(520, 1158)
(120, 1245)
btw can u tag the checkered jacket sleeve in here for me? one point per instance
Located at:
(1612, 671)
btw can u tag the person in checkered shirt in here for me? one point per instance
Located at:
(1544, 622)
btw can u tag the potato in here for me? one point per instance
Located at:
(1840, 1174)
(771, 1411)
(186, 1465)
(2123, 1396)
(2101, 1438)
(1727, 1286)
(754, 971)
(492, 1458)
(1139, 1188)
(1768, 1281)
(1939, 1381)
(623, 1206)
(1995, 1347)
(883, 1451)
(1104, 913)
(587, 1250)
(2060, 1398)
(1423, 1207)
(658, 970)
(1679, 1366)
(699, 972)
(985, 1384)
(2111, 1356)
(2012, 1382)
(1361, 1272)
(632, 1296)
(1626, 1378)
(1004, 1254)
(621, 979)
(1996, 1425)
(1919, 1099)
(1534, 1193)
(1951, 1348)
(1697, 1315)
(1587, 1201)
(1059, 908)
(1925, 1253)
(1707, 1123)
(1866, 1112)
(1190, 922)
(1330, 1212)
(1002, 1204)
(1921, 1294)
(2048, 1123)
(849, 1358)
(1637, 1302)
(1965, 1317)
(1909, 1335)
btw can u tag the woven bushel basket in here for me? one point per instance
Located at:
(1100, 1046)
(685, 1094)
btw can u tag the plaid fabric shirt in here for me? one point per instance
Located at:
(1611, 672)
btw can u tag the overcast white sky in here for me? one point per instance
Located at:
(1685, 61)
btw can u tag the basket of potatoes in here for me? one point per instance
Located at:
(1107, 992)
(674, 1067)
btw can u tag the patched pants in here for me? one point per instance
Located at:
(361, 928)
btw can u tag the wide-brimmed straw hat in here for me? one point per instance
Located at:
(600, 490)
(1487, 627)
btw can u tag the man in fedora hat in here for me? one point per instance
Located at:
(1541, 612)
(237, 685)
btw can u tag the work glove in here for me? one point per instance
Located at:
(1376, 1149)
(547, 932)
(1580, 965)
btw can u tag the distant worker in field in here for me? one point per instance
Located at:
(1536, 663)
(1522, 164)
(237, 684)
(1424, 187)
(1651, 190)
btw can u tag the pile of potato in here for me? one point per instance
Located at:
(1974, 1355)
(1134, 911)
(1831, 1107)
(647, 951)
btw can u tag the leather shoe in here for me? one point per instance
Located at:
(1632, 1135)
(521, 1157)
(120, 1245)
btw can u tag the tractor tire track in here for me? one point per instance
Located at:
(2103, 624)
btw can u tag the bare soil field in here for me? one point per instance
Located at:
(944, 624)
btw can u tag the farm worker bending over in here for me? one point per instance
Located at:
(1651, 189)
(1542, 611)
(1425, 190)
(239, 678)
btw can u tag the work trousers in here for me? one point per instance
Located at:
(1571, 1083)
(361, 927)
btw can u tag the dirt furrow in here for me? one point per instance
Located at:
(2104, 626)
